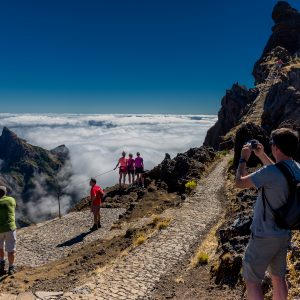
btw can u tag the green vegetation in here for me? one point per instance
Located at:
(163, 224)
(191, 185)
(140, 239)
(200, 258)
(222, 153)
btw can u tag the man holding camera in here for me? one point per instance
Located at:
(267, 248)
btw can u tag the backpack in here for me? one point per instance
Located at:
(288, 215)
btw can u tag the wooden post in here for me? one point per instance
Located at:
(58, 199)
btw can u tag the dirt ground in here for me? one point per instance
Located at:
(66, 274)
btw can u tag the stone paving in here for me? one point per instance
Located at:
(50, 241)
(135, 275)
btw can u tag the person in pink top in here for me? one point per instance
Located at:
(139, 169)
(130, 169)
(122, 163)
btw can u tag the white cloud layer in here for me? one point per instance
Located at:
(96, 141)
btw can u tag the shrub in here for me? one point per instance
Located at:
(200, 258)
(163, 224)
(191, 185)
(140, 240)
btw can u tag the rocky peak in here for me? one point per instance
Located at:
(235, 104)
(276, 97)
(8, 134)
(22, 163)
(283, 12)
(286, 31)
(61, 151)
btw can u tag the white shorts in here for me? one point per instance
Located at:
(10, 240)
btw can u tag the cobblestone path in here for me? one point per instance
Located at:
(135, 276)
(50, 241)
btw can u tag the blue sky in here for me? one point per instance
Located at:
(158, 56)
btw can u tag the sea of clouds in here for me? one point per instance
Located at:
(96, 141)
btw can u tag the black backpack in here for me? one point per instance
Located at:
(288, 215)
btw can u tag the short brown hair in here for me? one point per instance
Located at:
(286, 140)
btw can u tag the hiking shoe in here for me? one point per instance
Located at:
(11, 270)
(93, 228)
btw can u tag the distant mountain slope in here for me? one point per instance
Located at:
(24, 166)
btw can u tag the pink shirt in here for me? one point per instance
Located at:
(123, 162)
(130, 164)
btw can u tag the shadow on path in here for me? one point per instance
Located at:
(77, 239)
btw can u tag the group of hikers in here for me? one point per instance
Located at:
(268, 242)
(131, 166)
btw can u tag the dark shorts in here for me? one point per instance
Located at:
(131, 172)
(95, 209)
(139, 170)
(123, 171)
(264, 253)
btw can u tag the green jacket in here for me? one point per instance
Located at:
(7, 214)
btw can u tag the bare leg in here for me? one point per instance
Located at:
(11, 258)
(124, 178)
(129, 178)
(120, 178)
(280, 289)
(254, 290)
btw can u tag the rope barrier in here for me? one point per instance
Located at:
(59, 191)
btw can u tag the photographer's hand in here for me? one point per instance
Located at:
(246, 152)
(242, 179)
(260, 153)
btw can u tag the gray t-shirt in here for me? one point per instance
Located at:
(276, 191)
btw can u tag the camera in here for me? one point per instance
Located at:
(253, 144)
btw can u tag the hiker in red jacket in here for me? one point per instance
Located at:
(96, 196)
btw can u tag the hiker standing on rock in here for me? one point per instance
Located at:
(7, 230)
(139, 169)
(122, 168)
(130, 169)
(269, 241)
(96, 196)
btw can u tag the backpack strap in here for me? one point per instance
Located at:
(265, 200)
(288, 174)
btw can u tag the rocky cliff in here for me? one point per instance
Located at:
(24, 166)
(276, 104)
(276, 96)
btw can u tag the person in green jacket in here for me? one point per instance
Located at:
(7, 230)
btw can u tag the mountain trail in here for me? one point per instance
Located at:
(135, 275)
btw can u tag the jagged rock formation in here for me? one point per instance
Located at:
(22, 163)
(173, 174)
(276, 97)
(235, 104)
(286, 32)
